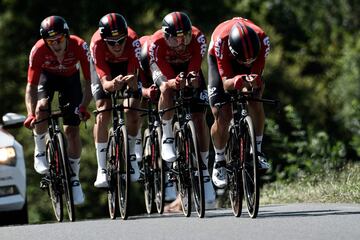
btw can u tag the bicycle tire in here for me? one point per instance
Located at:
(196, 174)
(159, 173)
(250, 169)
(66, 177)
(54, 189)
(233, 159)
(111, 172)
(182, 181)
(148, 171)
(123, 178)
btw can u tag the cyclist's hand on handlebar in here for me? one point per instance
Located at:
(180, 81)
(114, 84)
(247, 81)
(153, 93)
(82, 112)
(130, 80)
(29, 121)
(254, 80)
(193, 79)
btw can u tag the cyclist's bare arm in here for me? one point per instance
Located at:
(31, 98)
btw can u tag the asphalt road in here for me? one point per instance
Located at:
(294, 221)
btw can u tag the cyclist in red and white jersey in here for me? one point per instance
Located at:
(115, 50)
(54, 66)
(179, 47)
(237, 50)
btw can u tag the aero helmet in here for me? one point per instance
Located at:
(174, 25)
(53, 25)
(244, 43)
(113, 25)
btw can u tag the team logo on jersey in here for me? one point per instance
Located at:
(266, 42)
(217, 48)
(201, 39)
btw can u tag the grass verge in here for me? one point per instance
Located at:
(341, 186)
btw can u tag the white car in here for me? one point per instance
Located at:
(13, 203)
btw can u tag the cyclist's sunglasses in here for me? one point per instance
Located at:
(113, 42)
(58, 40)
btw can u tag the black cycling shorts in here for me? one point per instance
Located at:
(70, 92)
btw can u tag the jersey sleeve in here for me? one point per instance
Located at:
(134, 56)
(34, 69)
(84, 56)
(102, 69)
(157, 58)
(199, 48)
(259, 64)
(223, 61)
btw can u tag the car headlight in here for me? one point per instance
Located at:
(8, 156)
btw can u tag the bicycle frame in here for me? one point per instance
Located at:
(58, 179)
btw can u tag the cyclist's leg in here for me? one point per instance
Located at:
(70, 92)
(202, 131)
(102, 101)
(45, 95)
(222, 118)
(256, 111)
(167, 141)
(133, 129)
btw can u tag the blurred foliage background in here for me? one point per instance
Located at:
(313, 69)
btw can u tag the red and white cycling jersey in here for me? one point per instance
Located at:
(42, 58)
(218, 47)
(166, 58)
(102, 55)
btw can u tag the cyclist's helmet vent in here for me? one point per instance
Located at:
(113, 25)
(244, 43)
(52, 26)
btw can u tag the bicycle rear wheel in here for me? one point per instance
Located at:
(123, 178)
(159, 173)
(182, 168)
(250, 168)
(54, 183)
(111, 170)
(196, 175)
(235, 188)
(148, 172)
(66, 177)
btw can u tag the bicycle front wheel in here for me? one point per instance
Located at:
(196, 175)
(66, 177)
(111, 170)
(159, 173)
(148, 171)
(183, 184)
(123, 178)
(233, 159)
(250, 168)
(54, 183)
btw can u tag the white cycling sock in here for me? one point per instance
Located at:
(167, 129)
(258, 142)
(219, 154)
(101, 155)
(205, 159)
(75, 167)
(40, 143)
(131, 141)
